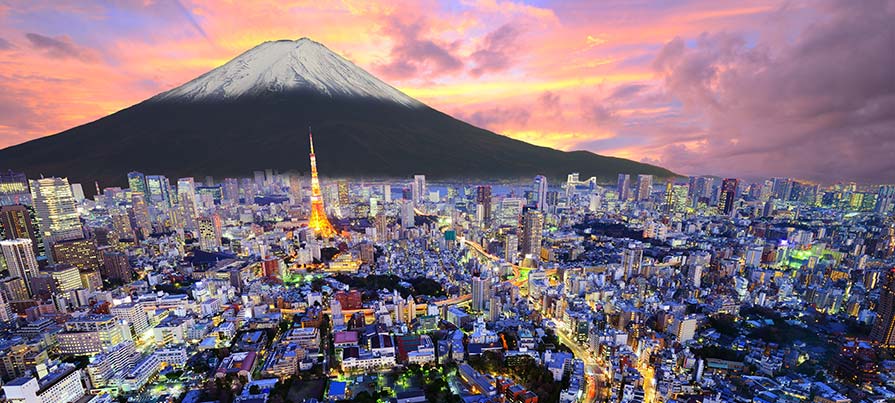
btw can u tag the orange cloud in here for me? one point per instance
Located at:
(575, 75)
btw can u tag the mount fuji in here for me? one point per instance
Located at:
(254, 112)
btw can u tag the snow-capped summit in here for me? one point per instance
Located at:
(286, 65)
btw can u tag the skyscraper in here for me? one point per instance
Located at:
(343, 195)
(140, 212)
(381, 226)
(186, 195)
(509, 210)
(885, 197)
(157, 189)
(532, 228)
(318, 221)
(624, 187)
(295, 188)
(632, 258)
(14, 189)
(407, 214)
(121, 224)
(15, 220)
(539, 188)
(511, 247)
(479, 293)
(209, 232)
(387, 192)
(883, 331)
(57, 216)
(483, 197)
(418, 189)
(20, 259)
(728, 195)
(230, 190)
(644, 187)
(136, 181)
(79, 253)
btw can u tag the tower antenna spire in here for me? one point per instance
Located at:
(318, 220)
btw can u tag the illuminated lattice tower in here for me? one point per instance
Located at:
(318, 221)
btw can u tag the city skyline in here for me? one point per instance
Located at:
(284, 287)
(690, 93)
(502, 201)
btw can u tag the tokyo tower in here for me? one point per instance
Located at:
(318, 221)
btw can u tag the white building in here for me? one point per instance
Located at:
(59, 386)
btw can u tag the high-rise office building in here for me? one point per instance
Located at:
(624, 187)
(77, 191)
(157, 189)
(539, 189)
(14, 289)
(14, 189)
(342, 192)
(885, 199)
(20, 259)
(511, 247)
(186, 196)
(121, 224)
(387, 193)
(483, 198)
(418, 189)
(728, 195)
(532, 231)
(407, 214)
(16, 222)
(295, 188)
(116, 266)
(136, 182)
(883, 331)
(644, 187)
(140, 215)
(210, 232)
(78, 253)
(381, 226)
(57, 214)
(230, 190)
(510, 208)
(632, 258)
(480, 293)
(782, 187)
(65, 278)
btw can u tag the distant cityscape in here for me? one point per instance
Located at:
(282, 287)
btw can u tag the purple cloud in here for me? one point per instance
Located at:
(496, 50)
(820, 106)
(60, 47)
(5, 45)
(413, 55)
(492, 118)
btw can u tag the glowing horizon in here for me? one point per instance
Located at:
(699, 87)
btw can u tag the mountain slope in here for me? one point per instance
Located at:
(253, 113)
(280, 66)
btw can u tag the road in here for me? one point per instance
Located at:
(592, 369)
(517, 270)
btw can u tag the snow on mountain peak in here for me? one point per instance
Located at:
(285, 65)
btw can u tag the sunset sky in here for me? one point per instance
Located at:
(733, 88)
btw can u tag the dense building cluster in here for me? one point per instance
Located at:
(284, 287)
